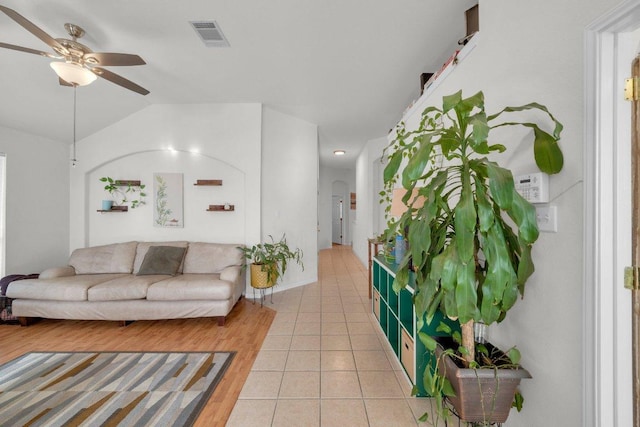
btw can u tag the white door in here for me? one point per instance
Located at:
(336, 219)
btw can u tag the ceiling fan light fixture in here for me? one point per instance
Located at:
(73, 73)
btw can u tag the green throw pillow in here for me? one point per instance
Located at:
(162, 260)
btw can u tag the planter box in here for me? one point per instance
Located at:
(482, 395)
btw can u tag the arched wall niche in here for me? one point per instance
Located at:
(137, 224)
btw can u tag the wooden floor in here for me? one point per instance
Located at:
(244, 332)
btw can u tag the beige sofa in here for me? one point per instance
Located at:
(117, 282)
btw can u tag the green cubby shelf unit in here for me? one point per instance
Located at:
(397, 319)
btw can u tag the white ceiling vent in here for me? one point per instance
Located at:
(210, 33)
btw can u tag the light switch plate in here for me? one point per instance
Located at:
(547, 217)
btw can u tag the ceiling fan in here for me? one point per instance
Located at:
(80, 65)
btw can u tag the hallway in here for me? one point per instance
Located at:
(325, 361)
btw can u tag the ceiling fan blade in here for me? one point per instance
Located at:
(26, 49)
(115, 59)
(34, 29)
(119, 80)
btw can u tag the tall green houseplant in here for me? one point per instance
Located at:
(470, 242)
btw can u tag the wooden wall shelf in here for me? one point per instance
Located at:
(127, 182)
(221, 208)
(115, 209)
(208, 182)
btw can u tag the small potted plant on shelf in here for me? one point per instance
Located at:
(121, 191)
(269, 261)
(470, 235)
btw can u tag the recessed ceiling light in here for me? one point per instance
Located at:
(339, 152)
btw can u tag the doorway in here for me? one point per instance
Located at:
(3, 210)
(337, 220)
(611, 44)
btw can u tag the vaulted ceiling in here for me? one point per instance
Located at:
(349, 66)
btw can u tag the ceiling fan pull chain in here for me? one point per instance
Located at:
(74, 160)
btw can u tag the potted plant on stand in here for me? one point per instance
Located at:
(469, 242)
(269, 262)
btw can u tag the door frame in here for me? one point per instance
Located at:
(607, 393)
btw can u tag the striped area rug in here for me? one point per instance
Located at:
(108, 388)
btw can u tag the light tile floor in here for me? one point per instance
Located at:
(325, 361)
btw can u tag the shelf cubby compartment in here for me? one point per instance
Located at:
(384, 313)
(384, 284)
(406, 313)
(376, 276)
(375, 301)
(392, 299)
(208, 182)
(393, 333)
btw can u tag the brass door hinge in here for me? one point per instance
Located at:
(632, 89)
(632, 278)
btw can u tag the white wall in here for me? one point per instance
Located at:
(207, 142)
(329, 176)
(533, 51)
(37, 202)
(290, 190)
(267, 161)
(199, 224)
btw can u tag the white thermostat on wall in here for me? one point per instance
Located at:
(534, 187)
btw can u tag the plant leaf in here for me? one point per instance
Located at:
(428, 341)
(465, 222)
(514, 355)
(523, 214)
(392, 167)
(443, 327)
(518, 401)
(546, 151)
(480, 133)
(402, 279)
(525, 267)
(447, 388)
(418, 162)
(466, 294)
(449, 141)
(500, 184)
(533, 106)
(430, 382)
(450, 101)
(485, 211)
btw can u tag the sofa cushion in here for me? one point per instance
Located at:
(115, 258)
(207, 258)
(143, 247)
(128, 287)
(162, 260)
(52, 272)
(70, 288)
(191, 287)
